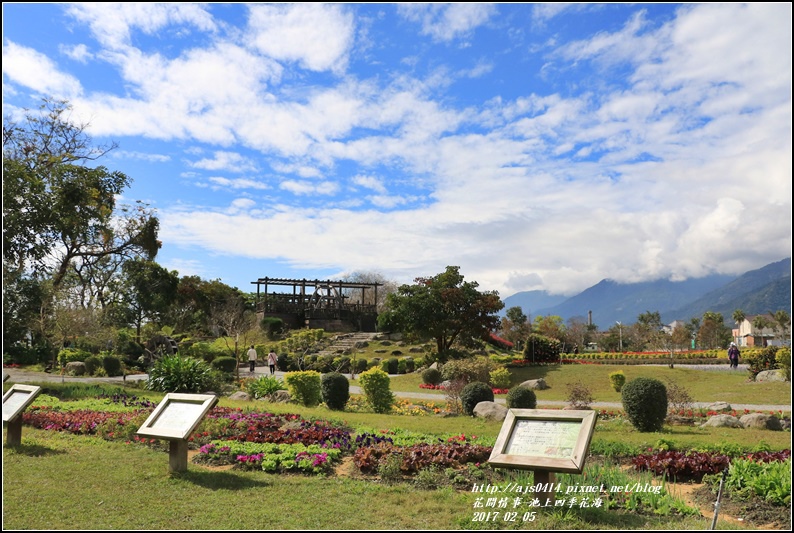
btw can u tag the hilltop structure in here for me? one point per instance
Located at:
(329, 305)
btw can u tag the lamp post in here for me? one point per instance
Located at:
(620, 336)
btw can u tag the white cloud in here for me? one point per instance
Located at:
(239, 183)
(317, 36)
(78, 52)
(369, 182)
(445, 22)
(37, 72)
(304, 188)
(231, 161)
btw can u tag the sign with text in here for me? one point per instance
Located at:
(17, 399)
(544, 439)
(177, 416)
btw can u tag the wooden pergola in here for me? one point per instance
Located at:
(317, 299)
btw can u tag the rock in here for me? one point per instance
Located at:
(434, 365)
(240, 395)
(445, 384)
(280, 396)
(770, 375)
(723, 421)
(761, 421)
(490, 411)
(676, 420)
(416, 349)
(75, 368)
(720, 406)
(535, 384)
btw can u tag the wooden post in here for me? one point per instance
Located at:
(14, 432)
(546, 479)
(177, 456)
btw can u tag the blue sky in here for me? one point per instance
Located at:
(536, 146)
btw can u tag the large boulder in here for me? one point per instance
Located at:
(723, 421)
(761, 421)
(490, 411)
(280, 396)
(240, 395)
(771, 375)
(535, 384)
(75, 368)
(720, 406)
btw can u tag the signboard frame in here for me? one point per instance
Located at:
(192, 407)
(558, 426)
(31, 391)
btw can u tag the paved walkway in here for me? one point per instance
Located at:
(24, 376)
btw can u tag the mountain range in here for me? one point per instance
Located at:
(767, 289)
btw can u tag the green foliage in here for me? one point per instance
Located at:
(678, 396)
(477, 368)
(112, 366)
(757, 362)
(224, 364)
(272, 326)
(264, 386)
(474, 393)
(206, 351)
(173, 373)
(770, 481)
(442, 307)
(645, 403)
(617, 380)
(500, 378)
(521, 398)
(542, 349)
(393, 365)
(70, 355)
(92, 364)
(375, 384)
(783, 360)
(431, 376)
(579, 395)
(305, 387)
(389, 468)
(335, 390)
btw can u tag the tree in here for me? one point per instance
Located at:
(551, 326)
(781, 323)
(738, 318)
(150, 291)
(760, 323)
(57, 210)
(713, 332)
(649, 331)
(515, 325)
(444, 308)
(355, 296)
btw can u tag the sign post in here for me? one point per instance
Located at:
(544, 441)
(174, 419)
(15, 401)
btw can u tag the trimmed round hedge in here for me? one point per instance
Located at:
(521, 398)
(431, 376)
(335, 390)
(645, 403)
(474, 393)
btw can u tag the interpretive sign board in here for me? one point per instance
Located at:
(544, 440)
(177, 416)
(17, 399)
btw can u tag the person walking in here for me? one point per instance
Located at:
(252, 359)
(271, 361)
(733, 355)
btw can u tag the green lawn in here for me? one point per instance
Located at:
(703, 385)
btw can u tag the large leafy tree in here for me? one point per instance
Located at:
(515, 325)
(443, 307)
(713, 332)
(59, 211)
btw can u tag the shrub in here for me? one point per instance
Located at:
(272, 326)
(763, 360)
(224, 364)
(500, 378)
(335, 390)
(617, 380)
(645, 403)
(305, 387)
(173, 373)
(542, 349)
(678, 397)
(393, 365)
(469, 370)
(264, 386)
(402, 367)
(410, 365)
(341, 364)
(579, 395)
(521, 398)
(431, 376)
(375, 384)
(361, 365)
(92, 364)
(783, 359)
(474, 393)
(69, 355)
(112, 366)
(452, 394)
